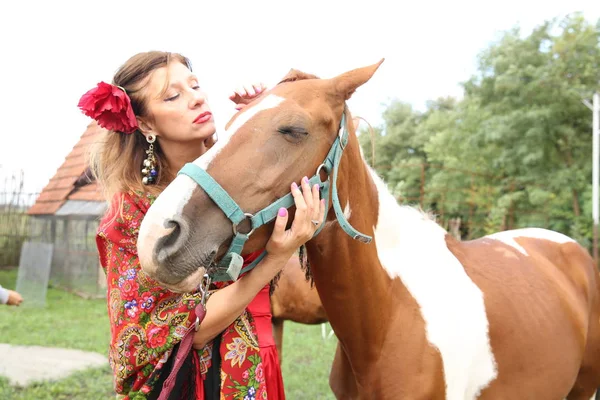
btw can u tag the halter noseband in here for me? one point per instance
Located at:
(230, 266)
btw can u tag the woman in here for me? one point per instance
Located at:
(158, 119)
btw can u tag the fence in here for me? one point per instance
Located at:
(75, 265)
(14, 222)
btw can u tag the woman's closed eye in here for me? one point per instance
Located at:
(194, 84)
(171, 98)
(194, 87)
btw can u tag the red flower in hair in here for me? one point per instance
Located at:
(110, 106)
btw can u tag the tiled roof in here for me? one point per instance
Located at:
(72, 180)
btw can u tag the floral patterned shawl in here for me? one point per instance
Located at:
(147, 321)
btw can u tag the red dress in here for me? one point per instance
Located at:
(147, 321)
(260, 309)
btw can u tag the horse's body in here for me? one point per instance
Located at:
(509, 316)
(294, 299)
(418, 314)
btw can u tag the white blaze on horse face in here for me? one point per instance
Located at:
(413, 248)
(508, 237)
(271, 101)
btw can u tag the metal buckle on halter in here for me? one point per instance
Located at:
(341, 137)
(249, 217)
(322, 182)
(204, 286)
(342, 132)
(318, 173)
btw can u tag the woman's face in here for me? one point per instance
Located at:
(180, 113)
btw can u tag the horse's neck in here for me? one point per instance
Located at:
(354, 280)
(347, 273)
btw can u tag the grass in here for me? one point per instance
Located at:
(72, 322)
(93, 384)
(307, 359)
(67, 321)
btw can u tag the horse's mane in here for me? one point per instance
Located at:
(296, 75)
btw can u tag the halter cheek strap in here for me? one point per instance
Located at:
(230, 266)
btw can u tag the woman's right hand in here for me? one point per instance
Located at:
(244, 95)
(310, 212)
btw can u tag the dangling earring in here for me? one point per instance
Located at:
(149, 170)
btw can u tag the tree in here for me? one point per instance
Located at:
(520, 133)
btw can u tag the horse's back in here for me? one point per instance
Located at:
(546, 263)
(543, 285)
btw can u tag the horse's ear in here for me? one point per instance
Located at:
(346, 83)
(295, 75)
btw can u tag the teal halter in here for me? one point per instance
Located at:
(230, 266)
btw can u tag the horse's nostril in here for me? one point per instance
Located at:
(168, 247)
(170, 239)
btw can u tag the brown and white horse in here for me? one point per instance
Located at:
(418, 314)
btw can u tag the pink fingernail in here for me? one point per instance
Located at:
(282, 212)
(294, 185)
(316, 186)
(305, 179)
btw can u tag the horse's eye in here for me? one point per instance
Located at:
(284, 131)
(292, 131)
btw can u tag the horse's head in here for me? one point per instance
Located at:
(280, 137)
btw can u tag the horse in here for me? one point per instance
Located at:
(294, 299)
(418, 314)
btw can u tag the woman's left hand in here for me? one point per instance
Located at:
(309, 215)
(244, 95)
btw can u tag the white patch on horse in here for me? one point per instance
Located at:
(347, 211)
(413, 248)
(271, 101)
(508, 237)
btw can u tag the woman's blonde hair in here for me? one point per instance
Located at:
(116, 158)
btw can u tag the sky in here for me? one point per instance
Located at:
(52, 52)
